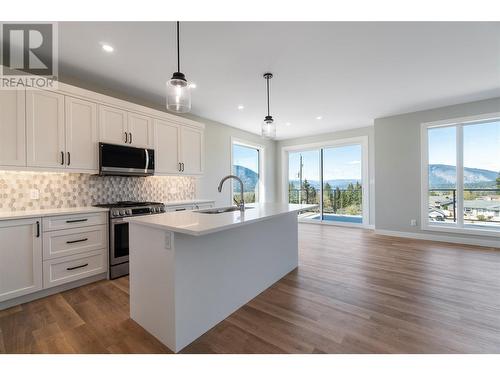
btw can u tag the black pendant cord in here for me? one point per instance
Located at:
(267, 81)
(178, 50)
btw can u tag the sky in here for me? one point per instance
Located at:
(481, 146)
(339, 163)
(246, 156)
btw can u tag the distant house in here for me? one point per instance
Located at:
(487, 208)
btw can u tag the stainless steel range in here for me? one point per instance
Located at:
(118, 231)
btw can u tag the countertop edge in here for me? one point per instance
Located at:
(14, 215)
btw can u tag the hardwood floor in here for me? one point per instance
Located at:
(354, 292)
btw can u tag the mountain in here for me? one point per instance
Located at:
(444, 176)
(249, 178)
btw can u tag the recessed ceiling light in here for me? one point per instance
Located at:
(241, 106)
(192, 85)
(106, 47)
(288, 124)
(319, 117)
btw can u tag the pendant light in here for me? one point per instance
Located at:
(178, 88)
(268, 126)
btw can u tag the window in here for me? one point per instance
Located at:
(461, 175)
(334, 176)
(246, 164)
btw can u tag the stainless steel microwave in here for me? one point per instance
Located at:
(117, 160)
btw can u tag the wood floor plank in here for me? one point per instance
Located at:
(353, 292)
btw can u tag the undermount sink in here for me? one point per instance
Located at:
(221, 210)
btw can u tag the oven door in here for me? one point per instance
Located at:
(119, 247)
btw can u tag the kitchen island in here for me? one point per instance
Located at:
(190, 270)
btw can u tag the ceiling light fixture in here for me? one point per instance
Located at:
(106, 47)
(319, 118)
(241, 106)
(268, 126)
(192, 85)
(288, 124)
(178, 88)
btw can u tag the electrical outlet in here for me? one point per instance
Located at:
(35, 194)
(413, 222)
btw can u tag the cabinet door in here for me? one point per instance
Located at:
(167, 147)
(81, 134)
(140, 129)
(112, 125)
(12, 128)
(45, 129)
(20, 258)
(191, 149)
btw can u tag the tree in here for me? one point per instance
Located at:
(307, 189)
(328, 195)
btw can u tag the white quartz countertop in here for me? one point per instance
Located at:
(186, 202)
(9, 215)
(197, 224)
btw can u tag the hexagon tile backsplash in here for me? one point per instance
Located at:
(58, 190)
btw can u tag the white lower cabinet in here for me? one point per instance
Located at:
(66, 269)
(20, 258)
(42, 253)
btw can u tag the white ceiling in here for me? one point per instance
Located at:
(349, 73)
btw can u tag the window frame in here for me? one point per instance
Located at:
(365, 177)
(260, 195)
(459, 226)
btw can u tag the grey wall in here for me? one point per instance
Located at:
(397, 162)
(366, 131)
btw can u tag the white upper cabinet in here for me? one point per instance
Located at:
(81, 134)
(191, 150)
(12, 128)
(167, 147)
(140, 130)
(20, 258)
(113, 125)
(45, 129)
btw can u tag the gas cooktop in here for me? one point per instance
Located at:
(122, 204)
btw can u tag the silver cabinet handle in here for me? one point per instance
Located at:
(183, 167)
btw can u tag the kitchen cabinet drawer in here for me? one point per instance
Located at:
(74, 221)
(66, 242)
(64, 270)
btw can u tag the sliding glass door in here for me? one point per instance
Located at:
(343, 184)
(334, 177)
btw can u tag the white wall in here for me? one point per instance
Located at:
(321, 138)
(397, 163)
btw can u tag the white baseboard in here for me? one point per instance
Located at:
(433, 237)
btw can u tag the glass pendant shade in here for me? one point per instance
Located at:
(268, 128)
(178, 94)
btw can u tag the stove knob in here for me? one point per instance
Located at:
(157, 209)
(122, 213)
(129, 212)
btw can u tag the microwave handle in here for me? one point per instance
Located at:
(147, 160)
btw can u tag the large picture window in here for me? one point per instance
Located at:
(461, 175)
(333, 176)
(246, 164)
